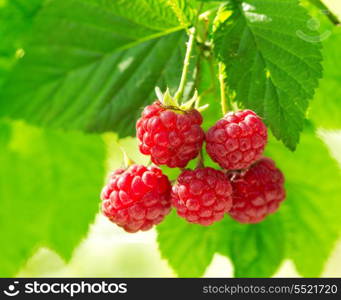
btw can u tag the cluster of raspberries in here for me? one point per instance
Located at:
(248, 187)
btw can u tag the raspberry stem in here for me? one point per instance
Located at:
(183, 80)
(200, 163)
(223, 99)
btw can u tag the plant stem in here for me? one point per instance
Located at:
(197, 75)
(183, 80)
(200, 162)
(223, 99)
(331, 16)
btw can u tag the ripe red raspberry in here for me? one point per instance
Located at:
(258, 192)
(202, 196)
(170, 137)
(136, 198)
(237, 140)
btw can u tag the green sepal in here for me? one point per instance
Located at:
(170, 101)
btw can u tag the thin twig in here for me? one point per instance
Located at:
(190, 43)
(183, 80)
(223, 99)
(200, 163)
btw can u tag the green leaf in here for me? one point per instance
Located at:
(188, 248)
(326, 107)
(15, 23)
(333, 18)
(186, 11)
(208, 88)
(312, 211)
(49, 191)
(213, 0)
(305, 229)
(256, 250)
(273, 62)
(99, 68)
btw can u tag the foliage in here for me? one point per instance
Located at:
(48, 184)
(270, 68)
(73, 67)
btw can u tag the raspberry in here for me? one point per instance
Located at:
(136, 198)
(170, 137)
(202, 196)
(258, 192)
(237, 140)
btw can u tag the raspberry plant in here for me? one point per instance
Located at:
(91, 66)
